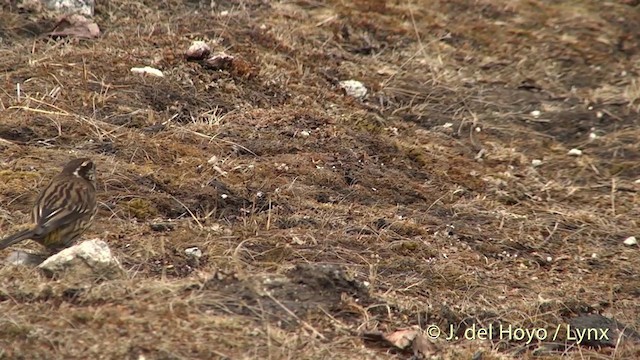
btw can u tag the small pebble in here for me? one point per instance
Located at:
(194, 252)
(220, 61)
(575, 152)
(147, 70)
(354, 88)
(630, 241)
(197, 51)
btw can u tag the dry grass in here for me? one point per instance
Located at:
(417, 206)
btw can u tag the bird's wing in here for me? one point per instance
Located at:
(61, 203)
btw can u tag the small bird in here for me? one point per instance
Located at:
(64, 209)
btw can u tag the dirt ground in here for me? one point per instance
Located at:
(447, 196)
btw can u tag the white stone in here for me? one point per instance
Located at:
(575, 152)
(84, 7)
(88, 257)
(354, 88)
(147, 70)
(198, 50)
(194, 252)
(630, 241)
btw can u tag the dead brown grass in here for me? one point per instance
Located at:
(417, 206)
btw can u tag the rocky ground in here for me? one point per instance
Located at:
(489, 177)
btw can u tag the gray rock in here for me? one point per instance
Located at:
(88, 259)
(24, 258)
(354, 88)
(84, 7)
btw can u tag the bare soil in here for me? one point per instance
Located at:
(321, 217)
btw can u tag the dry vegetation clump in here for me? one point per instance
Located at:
(447, 196)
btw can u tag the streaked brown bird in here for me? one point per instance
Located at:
(64, 209)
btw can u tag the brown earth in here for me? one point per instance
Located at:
(323, 218)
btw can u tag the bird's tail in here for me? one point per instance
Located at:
(16, 238)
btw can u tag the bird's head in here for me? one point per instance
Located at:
(82, 167)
